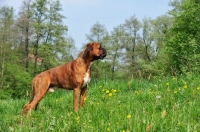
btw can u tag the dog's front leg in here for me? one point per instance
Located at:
(75, 100)
(83, 95)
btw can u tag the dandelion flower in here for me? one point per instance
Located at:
(107, 91)
(185, 86)
(110, 94)
(114, 91)
(77, 119)
(128, 116)
(85, 99)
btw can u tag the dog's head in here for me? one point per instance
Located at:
(94, 51)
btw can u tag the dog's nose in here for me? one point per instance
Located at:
(104, 53)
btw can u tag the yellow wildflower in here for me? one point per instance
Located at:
(185, 86)
(77, 119)
(114, 91)
(128, 116)
(110, 94)
(107, 91)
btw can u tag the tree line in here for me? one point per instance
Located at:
(36, 40)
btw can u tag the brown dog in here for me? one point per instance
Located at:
(74, 75)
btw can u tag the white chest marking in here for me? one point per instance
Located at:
(87, 77)
(86, 80)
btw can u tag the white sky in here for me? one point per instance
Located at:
(82, 14)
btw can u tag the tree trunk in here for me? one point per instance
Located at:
(36, 55)
(2, 65)
(27, 43)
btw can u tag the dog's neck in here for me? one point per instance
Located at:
(84, 56)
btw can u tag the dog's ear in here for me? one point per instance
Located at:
(89, 46)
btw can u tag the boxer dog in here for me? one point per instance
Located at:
(74, 75)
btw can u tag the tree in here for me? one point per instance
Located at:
(147, 40)
(23, 24)
(116, 50)
(50, 32)
(160, 27)
(98, 33)
(71, 49)
(132, 27)
(14, 79)
(183, 40)
(38, 16)
(6, 21)
(54, 45)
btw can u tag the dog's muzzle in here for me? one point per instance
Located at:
(104, 53)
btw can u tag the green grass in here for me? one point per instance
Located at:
(159, 105)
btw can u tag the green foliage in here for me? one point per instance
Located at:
(162, 104)
(16, 82)
(184, 37)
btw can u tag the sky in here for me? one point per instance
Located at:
(81, 15)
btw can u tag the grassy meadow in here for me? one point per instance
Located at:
(156, 105)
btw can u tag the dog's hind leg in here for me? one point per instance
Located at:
(39, 88)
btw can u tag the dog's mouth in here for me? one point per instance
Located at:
(104, 53)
